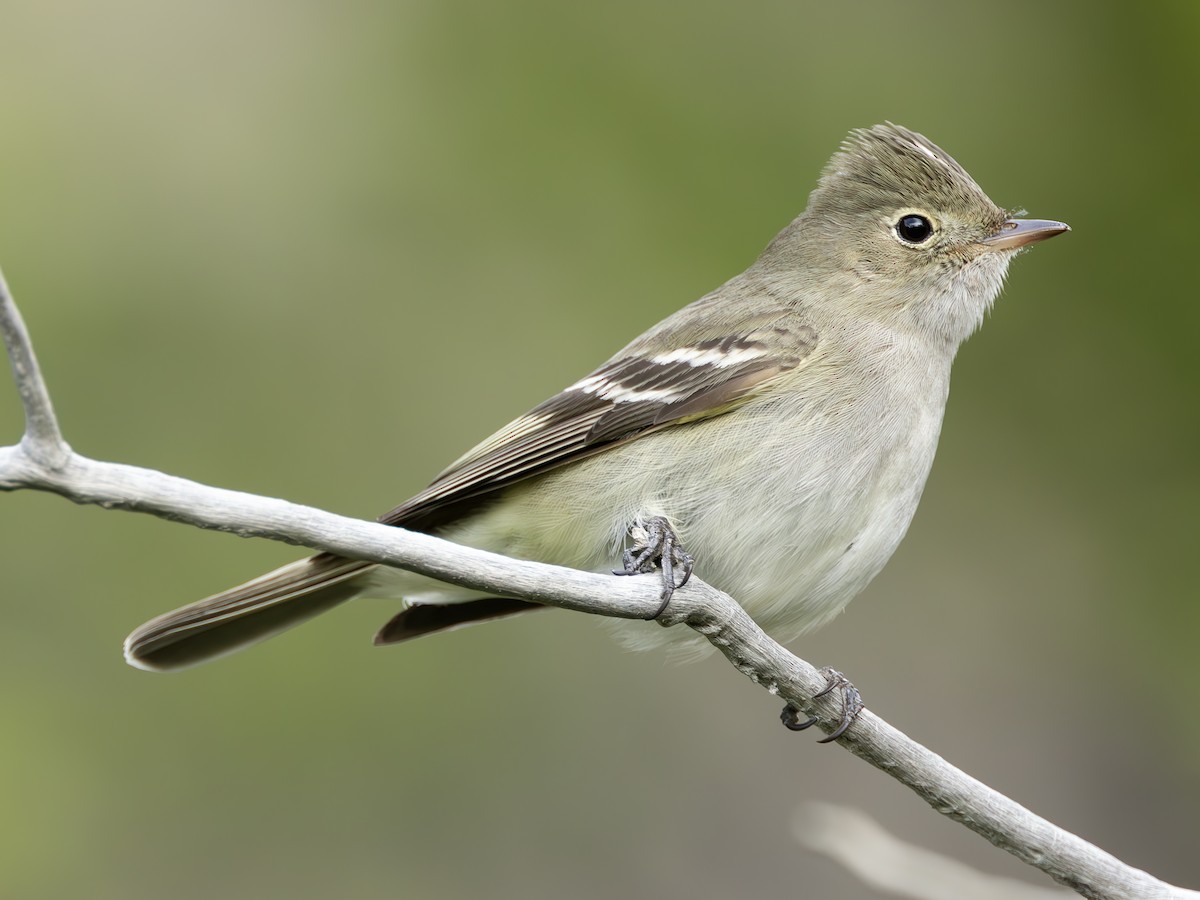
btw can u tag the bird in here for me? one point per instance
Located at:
(775, 435)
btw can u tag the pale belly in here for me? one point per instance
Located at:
(791, 522)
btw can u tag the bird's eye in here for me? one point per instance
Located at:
(914, 229)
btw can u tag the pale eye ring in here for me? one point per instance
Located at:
(914, 229)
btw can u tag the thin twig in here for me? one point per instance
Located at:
(43, 441)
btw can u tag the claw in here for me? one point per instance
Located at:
(852, 705)
(656, 545)
(790, 717)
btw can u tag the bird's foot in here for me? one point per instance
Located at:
(852, 705)
(655, 545)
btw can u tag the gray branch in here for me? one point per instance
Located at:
(43, 442)
(43, 461)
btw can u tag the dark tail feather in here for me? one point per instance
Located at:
(426, 618)
(245, 614)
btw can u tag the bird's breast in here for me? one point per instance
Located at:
(809, 497)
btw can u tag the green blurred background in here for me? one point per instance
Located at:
(317, 250)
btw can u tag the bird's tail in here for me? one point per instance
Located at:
(246, 614)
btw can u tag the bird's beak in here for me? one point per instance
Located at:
(1017, 233)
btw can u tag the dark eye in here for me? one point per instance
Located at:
(914, 229)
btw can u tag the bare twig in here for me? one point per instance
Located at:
(42, 441)
(43, 461)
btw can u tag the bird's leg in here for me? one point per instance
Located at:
(852, 705)
(655, 545)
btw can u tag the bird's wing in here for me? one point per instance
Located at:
(635, 393)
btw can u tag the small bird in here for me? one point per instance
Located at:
(775, 434)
